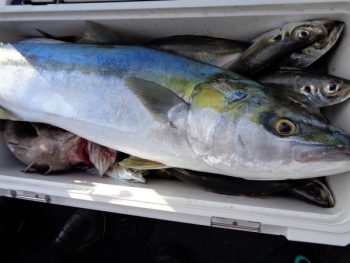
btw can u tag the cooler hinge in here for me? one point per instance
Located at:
(27, 195)
(235, 224)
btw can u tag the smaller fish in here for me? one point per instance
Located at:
(40, 146)
(122, 173)
(305, 57)
(222, 52)
(48, 149)
(215, 51)
(310, 190)
(278, 43)
(312, 89)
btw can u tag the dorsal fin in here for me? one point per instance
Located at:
(97, 34)
(28, 167)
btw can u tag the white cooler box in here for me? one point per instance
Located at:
(174, 200)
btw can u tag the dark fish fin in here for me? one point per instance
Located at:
(141, 164)
(65, 38)
(45, 34)
(98, 34)
(28, 167)
(7, 115)
(15, 145)
(268, 35)
(289, 68)
(36, 127)
(157, 99)
(48, 171)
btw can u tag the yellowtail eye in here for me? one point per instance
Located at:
(284, 127)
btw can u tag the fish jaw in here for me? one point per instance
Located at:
(303, 153)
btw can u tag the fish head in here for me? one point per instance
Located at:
(258, 130)
(304, 32)
(40, 146)
(313, 191)
(323, 90)
(308, 55)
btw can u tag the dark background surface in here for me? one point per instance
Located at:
(136, 239)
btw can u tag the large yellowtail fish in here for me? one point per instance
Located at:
(169, 110)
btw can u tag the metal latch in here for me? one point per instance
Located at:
(26, 195)
(235, 224)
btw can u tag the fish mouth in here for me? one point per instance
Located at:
(306, 153)
(329, 203)
(334, 31)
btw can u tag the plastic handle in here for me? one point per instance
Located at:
(299, 258)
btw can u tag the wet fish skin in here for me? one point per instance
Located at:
(278, 43)
(223, 122)
(312, 89)
(215, 51)
(222, 184)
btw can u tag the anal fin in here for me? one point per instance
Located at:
(7, 115)
(141, 164)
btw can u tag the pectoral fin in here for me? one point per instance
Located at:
(141, 164)
(163, 104)
(7, 115)
(97, 34)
